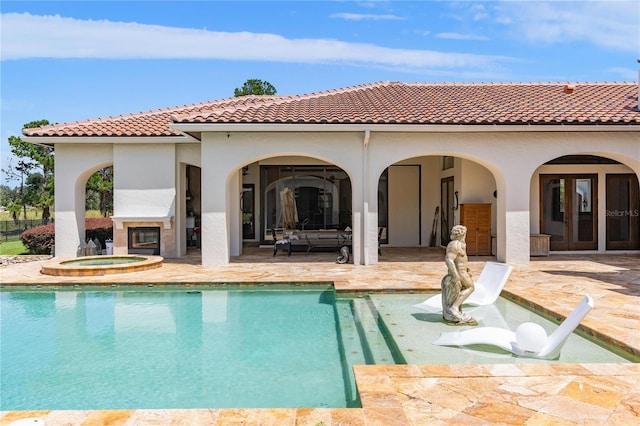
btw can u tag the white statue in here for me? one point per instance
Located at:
(458, 284)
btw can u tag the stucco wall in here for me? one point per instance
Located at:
(144, 192)
(144, 180)
(146, 176)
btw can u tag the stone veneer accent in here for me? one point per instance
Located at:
(167, 238)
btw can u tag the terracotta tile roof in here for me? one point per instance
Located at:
(389, 103)
(143, 124)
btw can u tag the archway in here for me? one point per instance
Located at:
(320, 192)
(586, 202)
(421, 198)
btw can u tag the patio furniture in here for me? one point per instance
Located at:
(487, 288)
(280, 244)
(529, 339)
(331, 239)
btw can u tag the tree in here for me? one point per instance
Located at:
(99, 194)
(7, 195)
(30, 157)
(11, 199)
(255, 87)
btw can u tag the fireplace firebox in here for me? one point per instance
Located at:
(144, 240)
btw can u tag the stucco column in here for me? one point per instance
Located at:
(234, 214)
(69, 208)
(512, 236)
(213, 224)
(369, 206)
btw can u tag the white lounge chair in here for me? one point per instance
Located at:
(487, 288)
(529, 339)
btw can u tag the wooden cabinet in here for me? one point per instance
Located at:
(477, 218)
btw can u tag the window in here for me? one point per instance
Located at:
(447, 162)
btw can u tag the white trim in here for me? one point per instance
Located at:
(281, 127)
(120, 220)
(417, 128)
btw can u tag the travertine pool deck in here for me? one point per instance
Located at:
(537, 394)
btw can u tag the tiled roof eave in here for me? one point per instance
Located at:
(56, 139)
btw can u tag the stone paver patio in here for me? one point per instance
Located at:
(421, 394)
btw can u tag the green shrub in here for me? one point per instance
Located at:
(40, 239)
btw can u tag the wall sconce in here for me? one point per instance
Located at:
(245, 170)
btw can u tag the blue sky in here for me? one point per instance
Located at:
(74, 60)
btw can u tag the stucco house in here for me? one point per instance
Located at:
(400, 162)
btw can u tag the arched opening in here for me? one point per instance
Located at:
(587, 202)
(301, 197)
(99, 193)
(421, 198)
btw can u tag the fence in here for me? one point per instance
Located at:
(10, 229)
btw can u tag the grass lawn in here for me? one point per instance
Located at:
(12, 248)
(33, 214)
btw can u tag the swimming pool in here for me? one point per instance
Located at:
(195, 347)
(180, 348)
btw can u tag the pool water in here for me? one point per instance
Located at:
(414, 330)
(197, 347)
(105, 260)
(147, 348)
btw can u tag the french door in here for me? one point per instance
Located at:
(623, 212)
(569, 211)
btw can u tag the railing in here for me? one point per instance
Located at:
(10, 229)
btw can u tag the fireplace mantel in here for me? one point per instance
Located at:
(119, 221)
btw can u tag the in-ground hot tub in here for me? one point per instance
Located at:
(100, 265)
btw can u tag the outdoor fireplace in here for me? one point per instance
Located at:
(144, 240)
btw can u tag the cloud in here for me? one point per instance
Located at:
(626, 74)
(366, 17)
(608, 24)
(32, 36)
(458, 36)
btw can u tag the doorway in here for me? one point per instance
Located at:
(247, 206)
(569, 211)
(623, 212)
(404, 198)
(448, 204)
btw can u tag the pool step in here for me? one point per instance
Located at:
(371, 337)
